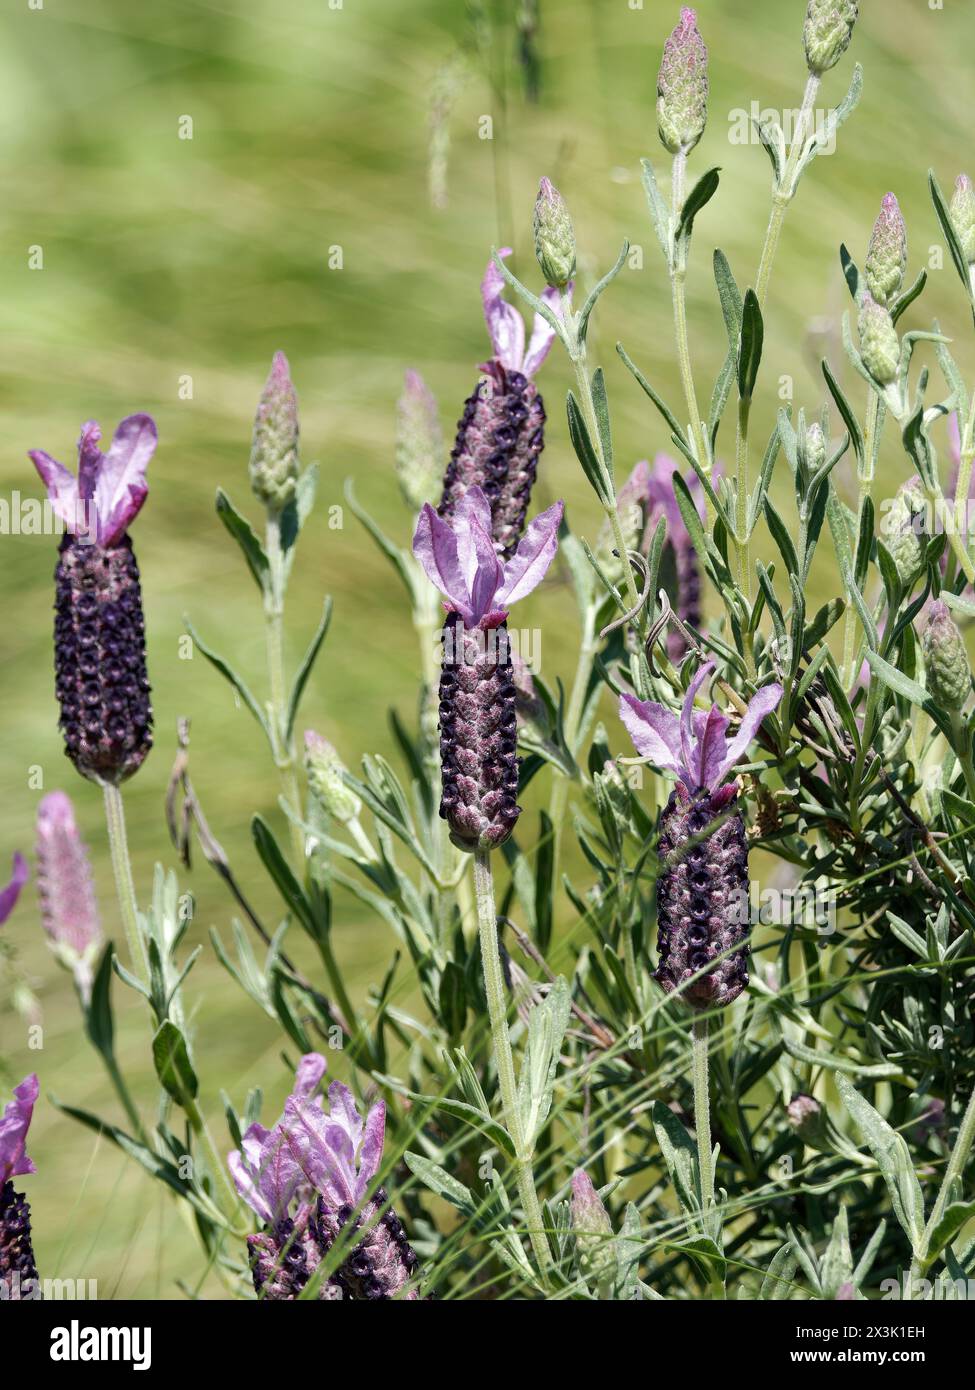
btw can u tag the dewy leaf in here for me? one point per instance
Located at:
(893, 1159)
(547, 1023)
(172, 1062)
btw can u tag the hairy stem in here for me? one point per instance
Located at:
(678, 277)
(702, 1114)
(503, 1058)
(124, 885)
(283, 746)
(785, 191)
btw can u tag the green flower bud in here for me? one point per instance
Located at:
(593, 1231)
(963, 216)
(324, 769)
(682, 87)
(887, 253)
(903, 528)
(555, 240)
(274, 450)
(815, 450)
(948, 672)
(419, 443)
(827, 32)
(879, 344)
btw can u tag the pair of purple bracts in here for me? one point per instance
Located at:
(102, 683)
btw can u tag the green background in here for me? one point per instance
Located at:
(165, 258)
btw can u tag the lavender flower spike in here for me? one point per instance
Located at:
(477, 695)
(99, 630)
(18, 1271)
(10, 894)
(702, 889)
(308, 1179)
(500, 436)
(69, 911)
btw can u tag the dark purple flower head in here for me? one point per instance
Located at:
(105, 498)
(459, 557)
(694, 746)
(310, 1151)
(14, 1124)
(506, 327)
(10, 894)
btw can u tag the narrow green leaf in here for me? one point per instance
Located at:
(240, 529)
(305, 669)
(171, 1059)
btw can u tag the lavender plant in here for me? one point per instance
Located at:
(593, 1066)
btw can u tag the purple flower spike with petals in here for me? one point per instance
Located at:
(10, 894)
(478, 718)
(69, 911)
(99, 632)
(702, 888)
(308, 1179)
(18, 1271)
(501, 433)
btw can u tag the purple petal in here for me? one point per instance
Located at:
(691, 762)
(371, 1153)
(14, 1124)
(711, 747)
(655, 731)
(472, 509)
(489, 573)
(763, 703)
(435, 546)
(10, 894)
(121, 487)
(62, 488)
(505, 326)
(543, 334)
(244, 1175)
(536, 550)
(89, 459)
(308, 1074)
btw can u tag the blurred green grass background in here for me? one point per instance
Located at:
(165, 258)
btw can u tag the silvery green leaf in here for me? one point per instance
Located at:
(597, 290)
(750, 345)
(547, 1023)
(836, 1267)
(957, 1215)
(865, 1263)
(821, 140)
(539, 305)
(845, 409)
(629, 1246)
(699, 196)
(471, 1115)
(400, 559)
(305, 669)
(680, 1155)
(586, 453)
(601, 409)
(905, 300)
(773, 139)
(440, 1182)
(227, 671)
(659, 211)
(893, 1159)
(240, 529)
(815, 1058)
(950, 235)
(777, 1284)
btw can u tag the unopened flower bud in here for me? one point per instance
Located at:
(274, 450)
(555, 240)
(805, 1117)
(815, 451)
(324, 769)
(682, 87)
(827, 32)
(963, 216)
(879, 344)
(887, 253)
(419, 443)
(593, 1230)
(948, 672)
(903, 528)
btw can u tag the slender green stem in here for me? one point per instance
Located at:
(678, 278)
(785, 191)
(124, 885)
(503, 1058)
(202, 1131)
(702, 1115)
(283, 746)
(876, 413)
(741, 503)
